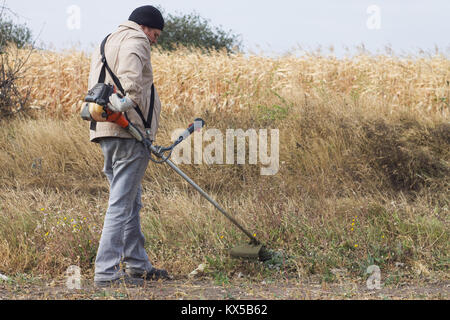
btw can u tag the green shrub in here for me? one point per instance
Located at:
(191, 30)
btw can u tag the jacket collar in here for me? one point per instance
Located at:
(132, 25)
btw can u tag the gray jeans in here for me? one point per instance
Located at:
(122, 240)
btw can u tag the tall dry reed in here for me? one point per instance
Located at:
(219, 81)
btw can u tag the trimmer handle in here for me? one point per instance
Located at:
(161, 152)
(197, 125)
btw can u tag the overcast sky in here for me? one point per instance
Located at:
(271, 27)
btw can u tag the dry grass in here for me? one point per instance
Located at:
(364, 178)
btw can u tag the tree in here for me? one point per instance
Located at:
(191, 30)
(11, 32)
(12, 100)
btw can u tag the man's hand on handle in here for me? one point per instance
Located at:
(119, 103)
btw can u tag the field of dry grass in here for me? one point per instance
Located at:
(363, 180)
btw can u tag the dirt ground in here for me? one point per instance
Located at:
(239, 289)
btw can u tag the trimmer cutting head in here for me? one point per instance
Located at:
(251, 252)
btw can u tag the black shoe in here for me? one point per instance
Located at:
(126, 280)
(153, 275)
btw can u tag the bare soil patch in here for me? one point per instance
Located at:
(205, 289)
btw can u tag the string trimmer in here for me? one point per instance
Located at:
(255, 249)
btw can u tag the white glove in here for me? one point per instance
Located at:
(119, 103)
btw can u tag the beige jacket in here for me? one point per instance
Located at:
(128, 53)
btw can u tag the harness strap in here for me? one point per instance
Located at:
(106, 67)
(148, 122)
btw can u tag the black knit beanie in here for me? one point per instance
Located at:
(148, 16)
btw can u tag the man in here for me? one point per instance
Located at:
(127, 52)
